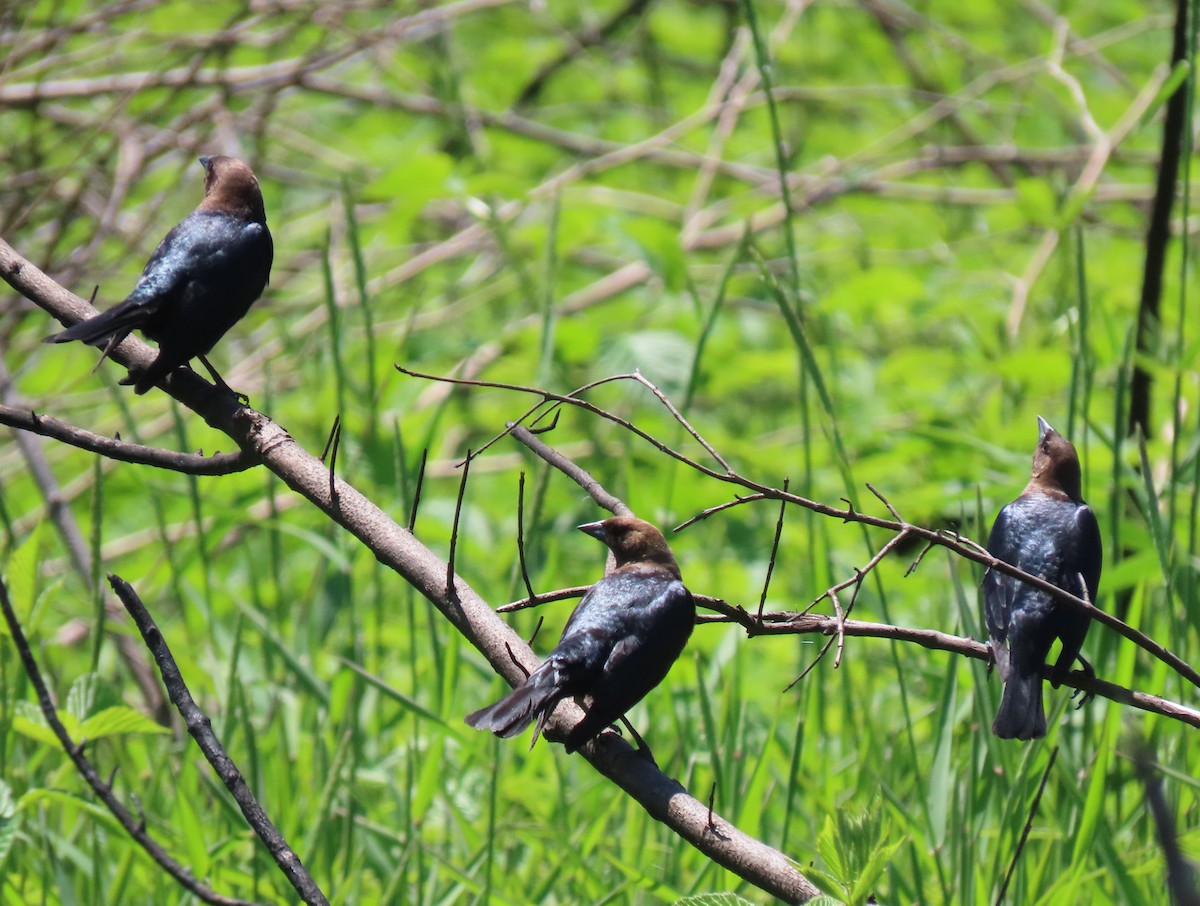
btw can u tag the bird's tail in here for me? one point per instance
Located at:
(1021, 715)
(116, 323)
(533, 700)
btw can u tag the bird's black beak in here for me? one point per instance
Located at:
(595, 529)
(205, 161)
(1043, 429)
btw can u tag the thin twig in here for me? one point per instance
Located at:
(1033, 807)
(122, 451)
(537, 627)
(532, 598)
(678, 416)
(704, 514)
(762, 601)
(891, 509)
(200, 727)
(562, 594)
(331, 450)
(967, 550)
(412, 512)
(451, 590)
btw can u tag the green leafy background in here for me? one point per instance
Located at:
(421, 219)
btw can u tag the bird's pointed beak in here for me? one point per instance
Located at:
(595, 529)
(205, 161)
(1043, 428)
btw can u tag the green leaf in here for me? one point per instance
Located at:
(824, 880)
(118, 721)
(31, 723)
(873, 871)
(10, 821)
(828, 849)
(21, 576)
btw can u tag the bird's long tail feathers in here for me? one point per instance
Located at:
(1021, 715)
(532, 700)
(115, 323)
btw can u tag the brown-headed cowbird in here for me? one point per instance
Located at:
(200, 281)
(1049, 532)
(618, 644)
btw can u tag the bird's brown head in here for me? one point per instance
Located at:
(232, 188)
(633, 540)
(1055, 464)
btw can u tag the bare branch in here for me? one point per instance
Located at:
(808, 624)
(549, 597)
(594, 489)
(200, 727)
(122, 451)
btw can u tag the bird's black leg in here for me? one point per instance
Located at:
(1089, 672)
(642, 748)
(220, 382)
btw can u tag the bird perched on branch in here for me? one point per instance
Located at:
(1049, 532)
(200, 281)
(618, 644)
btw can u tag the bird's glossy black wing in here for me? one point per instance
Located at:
(198, 253)
(617, 613)
(658, 634)
(1091, 549)
(999, 589)
(646, 640)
